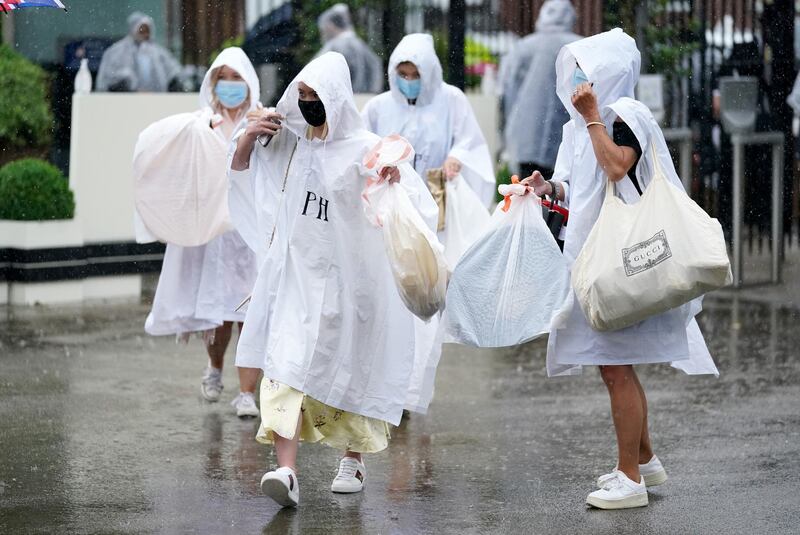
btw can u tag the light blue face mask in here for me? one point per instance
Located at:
(409, 88)
(231, 94)
(579, 78)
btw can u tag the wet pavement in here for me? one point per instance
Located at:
(102, 431)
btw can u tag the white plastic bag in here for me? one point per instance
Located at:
(180, 180)
(510, 285)
(465, 219)
(643, 259)
(415, 254)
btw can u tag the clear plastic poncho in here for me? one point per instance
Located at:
(533, 114)
(338, 34)
(440, 124)
(611, 62)
(130, 65)
(325, 316)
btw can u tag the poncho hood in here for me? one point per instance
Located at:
(610, 60)
(333, 21)
(136, 20)
(329, 76)
(556, 16)
(417, 48)
(233, 58)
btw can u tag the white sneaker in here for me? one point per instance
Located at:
(653, 473)
(282, 486)
(619, 492)
(350, 477)
(245, 404)
(211, 386)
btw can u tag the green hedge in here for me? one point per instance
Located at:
(34, 190)
(25, 116)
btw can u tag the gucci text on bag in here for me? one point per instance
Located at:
(646, 254)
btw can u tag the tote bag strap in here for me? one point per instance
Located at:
(658, 171)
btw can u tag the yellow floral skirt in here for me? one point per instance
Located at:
(281, 406)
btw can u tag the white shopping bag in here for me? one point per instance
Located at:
(415, 254)
(643, 259)
(510, 285)
(180, 180)
(465, 219)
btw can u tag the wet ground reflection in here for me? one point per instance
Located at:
(102, 431)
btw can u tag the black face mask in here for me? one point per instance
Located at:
(313, 111)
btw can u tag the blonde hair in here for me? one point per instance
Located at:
(236, 113)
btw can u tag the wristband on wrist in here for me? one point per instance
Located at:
(554, 189)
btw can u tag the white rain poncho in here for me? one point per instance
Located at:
(440, 124)
(325, 317)
(338, 34)
(201, 287)
(611, 61)
(129, 65)
(533, 114)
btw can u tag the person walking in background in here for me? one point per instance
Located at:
(533, 115)
(338, 35)
(136, 62)
(613, 137)
(433, 116)
(200, 287)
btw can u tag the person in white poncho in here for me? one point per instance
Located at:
(609, 138)
(325, 322)
(136, 62)
(533, 114)
(338, 35)
(434, 116)
(200, 287)
(438, 121)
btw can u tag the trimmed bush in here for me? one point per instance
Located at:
(34, 190)
(25, 116)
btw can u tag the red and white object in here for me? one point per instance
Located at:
(415, 254)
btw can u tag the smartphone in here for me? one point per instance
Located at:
(264, 139)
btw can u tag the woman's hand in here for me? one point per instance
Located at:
(259, 123)
(392, 174)
(452, 167)
(538, 183)
(262, 123)
(585, 101)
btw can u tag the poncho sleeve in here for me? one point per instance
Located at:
(254, 193)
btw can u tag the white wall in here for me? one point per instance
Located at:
(105, 127)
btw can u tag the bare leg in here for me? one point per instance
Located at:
(248, 377)
(645, 447)
(216, 349)
(286, 448)
(626, 411)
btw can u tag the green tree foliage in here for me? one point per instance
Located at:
(34, 190)
(667, 45)
(25, 116)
